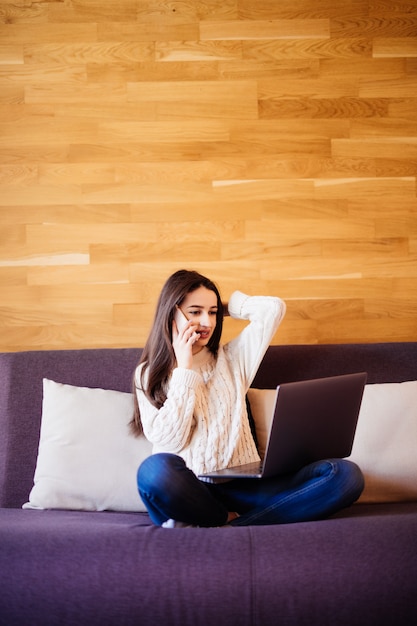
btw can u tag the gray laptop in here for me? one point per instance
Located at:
(313, 420)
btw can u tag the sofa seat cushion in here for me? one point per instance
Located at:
(106, 568)
(75, 568)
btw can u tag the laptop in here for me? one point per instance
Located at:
(312, 420)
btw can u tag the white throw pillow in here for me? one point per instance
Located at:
(262, 403)
(385, 445)
(87, 459)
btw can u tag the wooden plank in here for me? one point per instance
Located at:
(76, 53)
(155, 251)
(186, 211)
(53, 174)
(290, 9)
(264, 29)
(90, 274)
(382, 87)
(15, 276)
(391, 25)
(306, 48)
(233, 191)
(69, 336)
(191, 51)
(322, 87)
(304, 129)
(325, 310)
(16, 196)
(387, 7)
(374, 248)
(221, 271)
(161, 73)
(327, 167)
(65, 214)
(285, 227)
(402, 227)
(186, 10)
(10, 153)
(332, 287)
(392, 47)
(306, 208)
(11, 94)
(74, 235)
(95, 111)
(272, 69)
(141, 31)
(92, 11)
(26, 33)
(405, 287)
(181, 171)
(385, 127)
(389, 206)
(194, 99)
(11, 54)
(397, 308)
(401, 267)
(403, 108)
(44, 131)
(63, 93)
(119, 151)
(149, 194)
(396, 147)
(372, 67)
(276, 252)
(42, 315)
(68, 74)
(40, 254)
(182, 131)
(370, 187)
(323, 108)
(18, 174)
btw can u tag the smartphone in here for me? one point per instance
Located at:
(180, 319)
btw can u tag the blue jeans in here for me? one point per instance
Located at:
(170, 490)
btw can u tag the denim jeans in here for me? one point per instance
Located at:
(170, 490)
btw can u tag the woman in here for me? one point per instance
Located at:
(191, 405)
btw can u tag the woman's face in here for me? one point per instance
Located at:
(200, 306)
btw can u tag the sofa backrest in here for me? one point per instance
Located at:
(21, 391)
(21, 375)
(384, 362)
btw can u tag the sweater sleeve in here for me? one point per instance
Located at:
(170, 427)
(265, 313)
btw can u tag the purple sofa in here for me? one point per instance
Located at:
(78, 568)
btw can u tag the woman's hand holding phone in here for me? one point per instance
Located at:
(184, 336)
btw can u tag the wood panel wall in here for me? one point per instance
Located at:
(271, 145)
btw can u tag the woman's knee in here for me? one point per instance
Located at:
(157, 469)
(352, 478)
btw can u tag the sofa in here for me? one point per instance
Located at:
(71, 557)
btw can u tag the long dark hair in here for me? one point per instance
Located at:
(158, 355)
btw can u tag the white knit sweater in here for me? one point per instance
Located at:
(204, 418)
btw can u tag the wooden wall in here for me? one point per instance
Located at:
(271, 145)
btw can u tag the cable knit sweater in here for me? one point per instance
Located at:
(204, 418)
